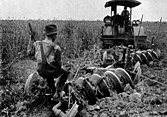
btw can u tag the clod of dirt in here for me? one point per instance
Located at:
(128, 88)
(103, 115)
(135, 97)
(93, 107)
(123, 114)
(156, 101)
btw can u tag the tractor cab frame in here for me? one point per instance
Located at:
(118, 30)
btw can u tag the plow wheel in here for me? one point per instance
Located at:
(137, 72)
(103, 87)
(30, 82)
(90, 94)
(111, 78)
(124, 76)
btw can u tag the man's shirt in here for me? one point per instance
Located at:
(125, 14)
(51, 50)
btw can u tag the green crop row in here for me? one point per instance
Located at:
(74, 37)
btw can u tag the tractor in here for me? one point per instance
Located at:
(121, 30)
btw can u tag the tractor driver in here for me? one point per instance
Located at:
(125, 15)
(48, 56)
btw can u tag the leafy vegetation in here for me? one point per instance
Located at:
(80, 43)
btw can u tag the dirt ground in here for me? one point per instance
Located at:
(149, 98)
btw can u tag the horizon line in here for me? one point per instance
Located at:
(70, 19)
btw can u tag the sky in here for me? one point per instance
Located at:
(152, 10)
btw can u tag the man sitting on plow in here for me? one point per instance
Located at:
(48, 56)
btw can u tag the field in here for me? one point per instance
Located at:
(80, 43)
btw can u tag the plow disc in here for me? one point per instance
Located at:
(153, 53)
(143, 57)
(124, 76)
(103, 87)
(99, 82)
(149, 56)
(111, 78)
(30, 82)
(90, 94)
(136, 58)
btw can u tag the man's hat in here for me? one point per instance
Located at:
(50, 29)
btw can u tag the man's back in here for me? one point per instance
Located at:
(51, 50)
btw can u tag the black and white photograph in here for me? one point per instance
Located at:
(83, 58)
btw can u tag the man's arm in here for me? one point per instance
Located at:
(31, 47)
(122, 13)
(58, 53)
(31, 44)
